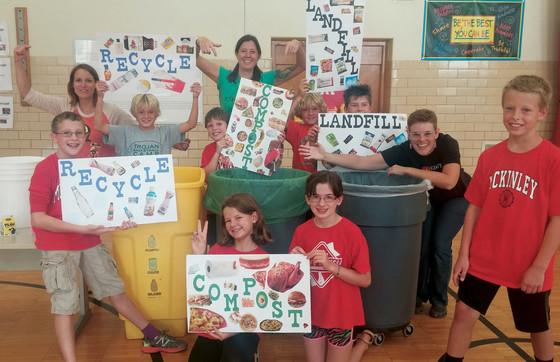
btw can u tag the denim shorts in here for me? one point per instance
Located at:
(531, 312)
(335, 336)
(60, 274)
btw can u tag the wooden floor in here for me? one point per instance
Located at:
(26, 332)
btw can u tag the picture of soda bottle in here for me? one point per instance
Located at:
(119, 168)
(128, 214)
(82, 202)
(150, 202)
(165, 203)
(110, 213)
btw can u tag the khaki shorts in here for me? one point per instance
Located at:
(60, 273)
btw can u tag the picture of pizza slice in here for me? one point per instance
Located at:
(203, 320)
(260, 277)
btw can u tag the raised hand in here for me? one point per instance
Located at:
(198, 240)
(207, 46)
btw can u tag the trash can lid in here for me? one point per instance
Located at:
(377, 183)
(280, 196)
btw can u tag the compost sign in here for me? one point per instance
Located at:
(489, 30)
(248, 293)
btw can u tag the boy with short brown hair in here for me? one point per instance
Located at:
(512, 225)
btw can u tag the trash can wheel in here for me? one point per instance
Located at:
(379, 339)
(408, 330)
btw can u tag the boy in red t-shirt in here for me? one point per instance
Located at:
(67, 247)
(216, 123)
(516, 180)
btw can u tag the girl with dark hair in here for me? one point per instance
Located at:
(248, 52)
(245, 232)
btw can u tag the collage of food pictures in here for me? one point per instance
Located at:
(259, 115)
(362, 134)
(334, 54)
(248, 293)
(110, 190)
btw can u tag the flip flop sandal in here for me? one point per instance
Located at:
(437, 311)
(369, 333)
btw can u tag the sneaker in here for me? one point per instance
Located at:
(163, 343)
(438, 311)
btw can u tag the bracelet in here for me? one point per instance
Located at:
(338, 270)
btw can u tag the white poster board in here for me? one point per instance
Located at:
(109, 190)
(334, 43)
(162, 65)
(259, 115)
(362, 134)
(248, 293)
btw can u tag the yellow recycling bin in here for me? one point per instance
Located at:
(151, 259)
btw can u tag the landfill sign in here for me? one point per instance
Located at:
(361, 134)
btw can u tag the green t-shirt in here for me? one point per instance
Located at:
(228, 90)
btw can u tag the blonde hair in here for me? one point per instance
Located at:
(530, 84)
(310, 99)
(142, 101)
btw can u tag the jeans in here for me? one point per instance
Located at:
(443, 222)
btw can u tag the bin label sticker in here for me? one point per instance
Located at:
(248, 293)
(258, 118)
(362, 134)
(109, 190)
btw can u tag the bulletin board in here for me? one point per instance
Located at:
(482, 30)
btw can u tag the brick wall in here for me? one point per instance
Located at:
(466, 96)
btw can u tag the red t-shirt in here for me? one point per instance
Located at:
(94, 146)
(208, 153)
(44, 197)
(297, 136)
(517, 192)
(335, 303)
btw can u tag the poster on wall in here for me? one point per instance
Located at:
(334, 43)
(482, 30)
(362, 134)
(4, 39)
(5, 75)
(258, 117)
(248, 293)
(6, 112)
(110, 190)
(162, 65)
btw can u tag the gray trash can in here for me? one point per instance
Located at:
(280, 197)
(389, 212)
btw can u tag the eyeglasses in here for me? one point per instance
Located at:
(68, 134)
(327, 198)
(416, 135)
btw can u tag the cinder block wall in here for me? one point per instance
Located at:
(466, 96)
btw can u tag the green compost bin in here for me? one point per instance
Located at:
(390, 212)
(280, 197)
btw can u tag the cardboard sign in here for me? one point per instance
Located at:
(334, 43)
(362, 134)
(259, 115)
(109, 190)
(248, 293)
